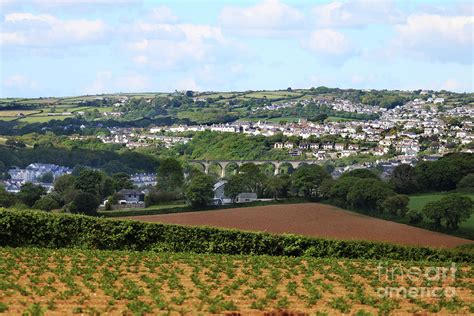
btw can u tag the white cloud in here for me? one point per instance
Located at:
(191, 43)
(437, 38)
(44, 30)
(330, 45)
(355, 13)
(20, 82)
(162, 14)
(12, 38)
(268, 18)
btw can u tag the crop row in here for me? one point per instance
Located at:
(41, 229)
(69, 281)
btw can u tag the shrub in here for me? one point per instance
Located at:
(49, 230)
(466, 184)
(158, 196)
(396, 205)
(414, 216)
(47, 203)
(108, 206)
(85, 203)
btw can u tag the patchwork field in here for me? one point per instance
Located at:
(311, 219)
(72, 281)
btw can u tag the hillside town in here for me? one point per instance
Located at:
(417, 127)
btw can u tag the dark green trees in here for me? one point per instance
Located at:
(30, 193)
(307, 180)
(449, 211)
(404, 179)
(199, 190)
(169, 175)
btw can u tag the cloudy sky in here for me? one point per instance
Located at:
(72, 47)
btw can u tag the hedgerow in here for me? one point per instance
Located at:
(41, 229)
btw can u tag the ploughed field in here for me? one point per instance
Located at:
(311, 219)
(73, 281)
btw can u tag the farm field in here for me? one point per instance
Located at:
(73, 281)
(311, 219)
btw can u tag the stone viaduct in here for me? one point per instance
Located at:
(276, 164)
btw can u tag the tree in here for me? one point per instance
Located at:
(169, 175)
(326, 187)
(360, 173)
(30, 193)
(466, 183)
(89, 181)
(6, 199)
(396, 205)
(368, 194)
(235, 185)
(107, 186)
(308, 178)
(47, 203)
(199, 190)
(84, 203)
(451, 209)
(47, 177)
(404, 179)
(277, 185)
(340, 189)
(253, 177)
(414, 216)
(64, 183)
(122, 181)
(441, 175)
(319, 118)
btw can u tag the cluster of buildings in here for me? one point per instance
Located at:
(34, 173)
(403, 130)
(134, 138)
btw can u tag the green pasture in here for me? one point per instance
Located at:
(417, 202)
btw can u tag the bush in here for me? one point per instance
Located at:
(158, 196)
(47, 203)
(466, 184)
(84, 203)
(49, 230)
(396, 205)
(108, 206)
(414, 216)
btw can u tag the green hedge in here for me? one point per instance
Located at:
(41, 229)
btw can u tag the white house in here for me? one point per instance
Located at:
(246, 197)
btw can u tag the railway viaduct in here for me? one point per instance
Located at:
(276, 164)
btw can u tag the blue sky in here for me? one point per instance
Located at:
(69, 47)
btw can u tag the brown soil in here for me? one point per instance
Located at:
(311, 219)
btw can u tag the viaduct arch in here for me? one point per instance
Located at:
(276, 164)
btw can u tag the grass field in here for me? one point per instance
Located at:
(73, 281)
(418, 201)
(14, 113)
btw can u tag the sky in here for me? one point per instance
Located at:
(77, 47)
